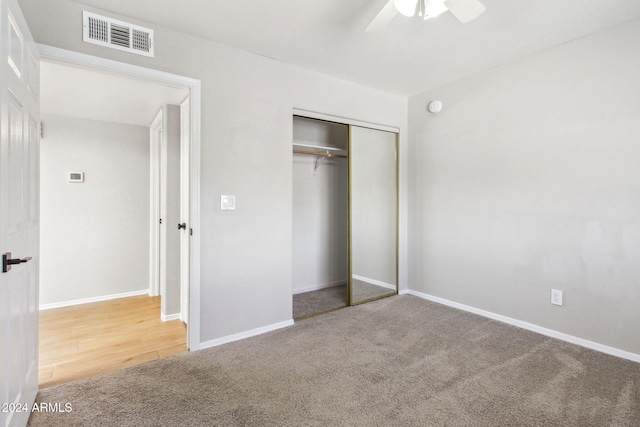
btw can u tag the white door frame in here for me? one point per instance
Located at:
(64, 56)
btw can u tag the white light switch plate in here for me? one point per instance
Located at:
(556, 297)
(227, 202)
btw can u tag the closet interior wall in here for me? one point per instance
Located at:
(320, 207)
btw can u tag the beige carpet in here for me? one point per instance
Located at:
(364, 291)
(321, 301)
(324, 300)
(398, 361)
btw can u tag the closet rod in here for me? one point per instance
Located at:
(313, 153)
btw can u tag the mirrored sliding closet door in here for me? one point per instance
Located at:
(373, 214)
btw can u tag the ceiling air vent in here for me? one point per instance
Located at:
(116, 34)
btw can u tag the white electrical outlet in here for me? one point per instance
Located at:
(556, 297)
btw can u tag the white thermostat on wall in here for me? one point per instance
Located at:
(76, 176)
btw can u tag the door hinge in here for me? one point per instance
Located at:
(191, 232)
(160, 220)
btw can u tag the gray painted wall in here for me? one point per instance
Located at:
(528, 180)
(94, 235)
(247, 103)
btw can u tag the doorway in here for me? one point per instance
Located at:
(320, 217)
(188, 89)
(54, 54)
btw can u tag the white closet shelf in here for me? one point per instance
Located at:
(319, 147)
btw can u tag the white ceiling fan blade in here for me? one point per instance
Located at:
(383, 18)
(465, 10)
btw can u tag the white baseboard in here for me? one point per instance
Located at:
(374, 282)
(246, 334)
(170, 317)
(531, 327)
(92, 299)
(318, 287)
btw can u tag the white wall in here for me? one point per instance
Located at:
(94, 235)
(320, 208)
(528, 180)
(247, 103)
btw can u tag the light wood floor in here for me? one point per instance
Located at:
(92, 339)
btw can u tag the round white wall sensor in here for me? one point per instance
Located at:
(435, 107)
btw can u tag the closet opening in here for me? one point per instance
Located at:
(320, 216)
(345, 214)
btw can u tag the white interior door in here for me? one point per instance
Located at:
(167, 225)
(19, 216)
(185, 200)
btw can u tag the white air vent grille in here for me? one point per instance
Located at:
(140, 40)
(98, 30)
(115, 34)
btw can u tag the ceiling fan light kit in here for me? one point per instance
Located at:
(424, 8)
(463, 10)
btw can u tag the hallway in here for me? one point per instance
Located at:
(92, 339)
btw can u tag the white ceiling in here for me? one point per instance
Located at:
(81, 93)
(407, 57)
